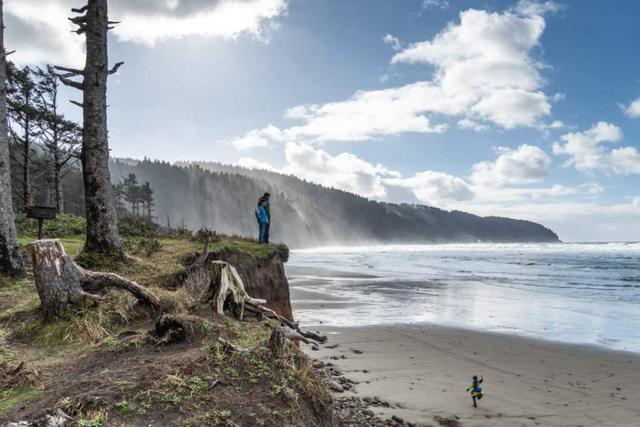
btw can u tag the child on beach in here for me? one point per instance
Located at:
(476, 390)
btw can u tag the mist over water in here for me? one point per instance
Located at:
(572, 292)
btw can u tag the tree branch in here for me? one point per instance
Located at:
(83, 9)
(78, 20)
(71, 83)
(79, 104)
(116, 67)
(71, 71)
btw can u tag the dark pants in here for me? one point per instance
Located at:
(266, 233)
(262, 231)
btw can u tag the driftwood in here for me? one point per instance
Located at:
(219, 283)
(62, 284)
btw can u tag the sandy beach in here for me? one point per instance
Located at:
(422, 372)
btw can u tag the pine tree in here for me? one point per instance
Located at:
(22, 97)
(61, 138)
(146, 196)
(130, 191)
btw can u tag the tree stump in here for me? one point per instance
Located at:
(62, 284)
(220, 283)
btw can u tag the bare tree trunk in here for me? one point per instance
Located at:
(10, 258)
(102, 231)
(57, 161)
(26, 149)
(62, 284)
(57, 177)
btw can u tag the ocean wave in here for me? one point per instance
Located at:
(629, 248)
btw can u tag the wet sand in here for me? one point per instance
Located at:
(423, 371)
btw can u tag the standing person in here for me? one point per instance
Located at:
(263, 221)
(267, 208)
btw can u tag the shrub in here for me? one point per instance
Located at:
(64, 225)
(142, 246)
(130, 225)
(206, 234)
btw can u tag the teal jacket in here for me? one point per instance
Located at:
(261, 214)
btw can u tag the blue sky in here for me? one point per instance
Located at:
(522, 109)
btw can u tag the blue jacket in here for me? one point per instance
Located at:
(261, 214)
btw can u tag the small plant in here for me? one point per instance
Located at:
(205, 234)
(143, 408)
(198, 385)
(148, 247)
(125, 408)
(96, 421)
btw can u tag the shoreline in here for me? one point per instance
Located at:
(422, 371)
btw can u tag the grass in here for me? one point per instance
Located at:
(12, 397)
(72, 244)
(259, 382)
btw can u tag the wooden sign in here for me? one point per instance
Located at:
(41, 212)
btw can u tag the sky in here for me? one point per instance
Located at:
(527, 109)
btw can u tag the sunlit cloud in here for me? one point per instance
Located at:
(587, 154)
(40, 32)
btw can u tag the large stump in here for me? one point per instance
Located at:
(62, 284)
(219, 283)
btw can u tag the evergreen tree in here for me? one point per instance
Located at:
(146, 196)
(23, 95)
(130, 191)
(61, 138)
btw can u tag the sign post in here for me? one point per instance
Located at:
(41, 213)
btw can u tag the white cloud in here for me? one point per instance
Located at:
(392, 41)
(526, 164)
(485, 62)
(435, 188)
(40, 32)
(255, 138)
(473, 125)
(487, 56)
(534, 7)
(366, 115)
(633, 109)
(484, 74)
(344, 171)
(440, 4)
(249, 163)
(587, 154)
(152, 21)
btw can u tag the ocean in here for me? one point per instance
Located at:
(586, 293)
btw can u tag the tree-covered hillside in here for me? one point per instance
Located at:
(223, 198)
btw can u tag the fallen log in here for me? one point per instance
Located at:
(62, 284)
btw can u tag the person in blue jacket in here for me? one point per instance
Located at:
(263, 221)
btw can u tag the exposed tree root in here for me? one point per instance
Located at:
(219, 283)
